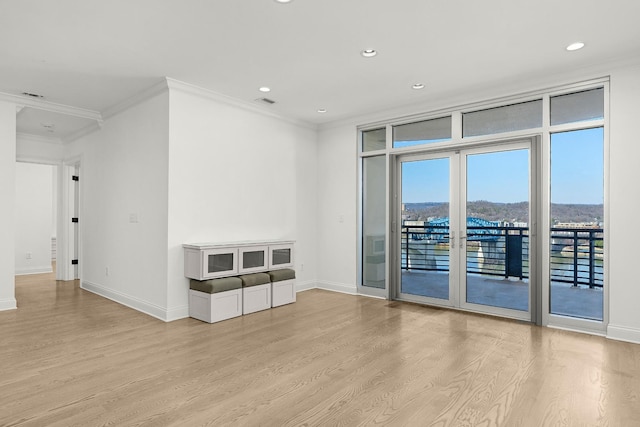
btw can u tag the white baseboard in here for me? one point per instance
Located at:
(623, 333)
(34, 270)
(338, 287)
(177, 313)
(8, 304)
(133, 302)
(305, 286)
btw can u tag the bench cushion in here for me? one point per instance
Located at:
(255, 279)
(214, 286)
(283, 274)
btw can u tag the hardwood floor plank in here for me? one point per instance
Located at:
(70, 357)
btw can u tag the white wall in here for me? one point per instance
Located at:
(33, 218)
(337, 209)
(237, 175)
(124, 173)
(624, 204)
(8, 197)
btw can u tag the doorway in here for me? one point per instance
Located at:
(464, 233)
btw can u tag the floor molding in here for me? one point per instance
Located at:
(338, 287)
(623, 333)
(133, 302)
(34, 270)
(8, 304)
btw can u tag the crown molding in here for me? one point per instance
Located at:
(22, 101)
(82, 132)
(138, 98)
(234, 102)
(38, 138)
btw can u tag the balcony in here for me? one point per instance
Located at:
(497, 266)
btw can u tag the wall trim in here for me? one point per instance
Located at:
(82, 132)
(234, 102)
(40, 104)
(148, 93)
(623, 333)
(128, 301)
(34, 270)
(338, 287)
(177, 313)
(305, 286)
(37, 138)
(8, 304)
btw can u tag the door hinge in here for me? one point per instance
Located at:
(75, 178)
(74, 262)
(74, 220)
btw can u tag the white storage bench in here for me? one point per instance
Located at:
(232, 279)
(283, 286)
(256, 292)
(216, 299)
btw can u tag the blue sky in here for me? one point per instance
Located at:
(576, 173)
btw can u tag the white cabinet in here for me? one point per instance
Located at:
(281, 256)
(203, 261)
(253, 259)
(209, 263)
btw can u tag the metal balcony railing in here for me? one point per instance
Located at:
(576, 254)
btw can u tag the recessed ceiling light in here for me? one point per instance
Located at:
(575, 46)
(368, 53)
(322, 110)
(283, 1)
(418, 86)
(265, 89)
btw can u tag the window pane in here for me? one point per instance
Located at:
(424, 132)
(374, 139)
(509, 118)
(373, 221)
(577, 107)
(577, 215)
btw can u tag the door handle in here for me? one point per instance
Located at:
(452, 239)
(462, 239)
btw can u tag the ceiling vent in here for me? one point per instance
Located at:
(266, 101)
(32, 95)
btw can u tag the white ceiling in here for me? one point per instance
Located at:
(95, 54)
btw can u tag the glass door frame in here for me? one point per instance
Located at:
(396, 283)
(534, 284)
(457, 275)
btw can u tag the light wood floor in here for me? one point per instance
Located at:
(69, 357)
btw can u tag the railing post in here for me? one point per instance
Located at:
(591, 259)
(575, 258)
(406, 239)
(520, 233)
(507, 253)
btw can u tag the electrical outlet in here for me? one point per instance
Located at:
(29, 255)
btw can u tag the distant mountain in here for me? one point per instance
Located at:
(510, 212)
